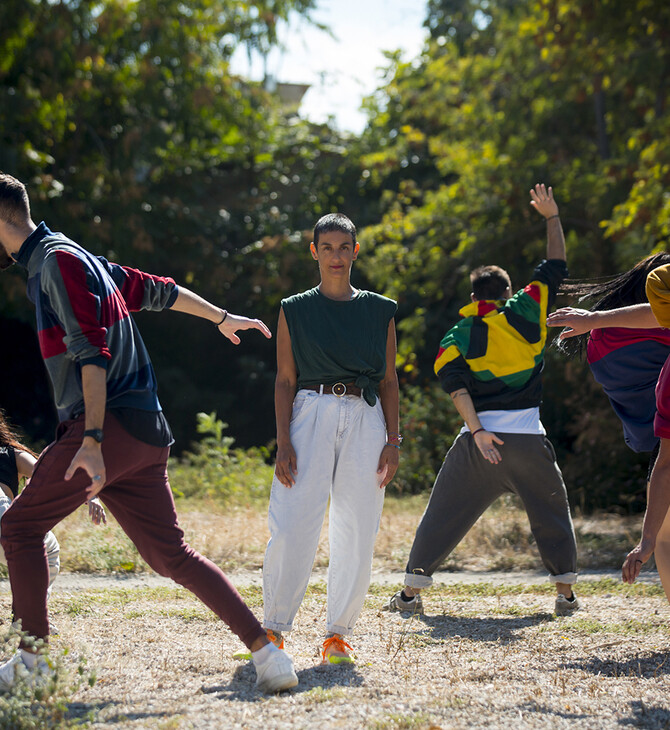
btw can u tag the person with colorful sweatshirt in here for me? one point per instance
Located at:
(491, 364)
(113, 439)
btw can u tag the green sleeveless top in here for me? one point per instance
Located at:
(341, 342)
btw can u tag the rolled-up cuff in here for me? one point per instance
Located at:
(568, 578)
(416, 580)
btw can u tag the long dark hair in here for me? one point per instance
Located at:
(8, 437)
(612, 292)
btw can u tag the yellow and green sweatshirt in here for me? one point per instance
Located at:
(496, 351)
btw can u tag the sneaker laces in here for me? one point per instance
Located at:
(335, 643)
(278, 641)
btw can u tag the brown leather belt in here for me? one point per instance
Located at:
(338, 389)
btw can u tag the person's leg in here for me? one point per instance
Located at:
(539, 484)
(355, 510)
(53, 558)
(662, 549)
(296, 514)
(465, 486)
(141, 501)
(44, 502)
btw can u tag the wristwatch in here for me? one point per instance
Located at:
(96, 434)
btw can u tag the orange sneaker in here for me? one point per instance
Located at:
(276, 639)
(335, 651)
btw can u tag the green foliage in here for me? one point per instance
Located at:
(216, 470)
(430, 424)
(44, 706)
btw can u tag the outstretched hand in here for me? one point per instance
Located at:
(235, 322)
(576, 321)
(542, 199)
(96, 512)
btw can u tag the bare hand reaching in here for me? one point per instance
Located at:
(235, 322)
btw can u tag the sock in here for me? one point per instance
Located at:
(264, 653)
(406, 598)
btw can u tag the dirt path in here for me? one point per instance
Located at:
(246, 578)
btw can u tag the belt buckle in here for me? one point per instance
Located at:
(339, 389)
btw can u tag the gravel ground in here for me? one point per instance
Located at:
(487, 654)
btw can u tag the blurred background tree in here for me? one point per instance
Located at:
(135, 139)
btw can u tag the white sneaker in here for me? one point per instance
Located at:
(17, 670)
(565, 606)
(275, 671)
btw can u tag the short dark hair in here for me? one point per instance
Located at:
(489, 282)
(14, 203)
(334, 222)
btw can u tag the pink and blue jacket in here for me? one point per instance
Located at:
(83, 305)
(627, 363)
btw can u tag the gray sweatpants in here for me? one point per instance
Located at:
(467, 484)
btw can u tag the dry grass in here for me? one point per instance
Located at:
(483, 657)
(235, 539)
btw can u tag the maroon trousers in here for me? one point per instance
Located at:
(138, 494)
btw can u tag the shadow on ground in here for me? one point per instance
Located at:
(648, 666)
(242, 685)
(506, 628)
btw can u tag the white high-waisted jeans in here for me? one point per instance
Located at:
(338, 443)
(50, 543)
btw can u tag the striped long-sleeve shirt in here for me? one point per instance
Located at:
(496, 351)
(83, 304)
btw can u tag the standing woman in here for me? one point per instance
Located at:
(336, 405)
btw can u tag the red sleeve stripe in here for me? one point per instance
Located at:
(82, 301)
(135, 285)
(51, 341)
(533, 291)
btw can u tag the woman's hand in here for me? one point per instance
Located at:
(486, 442)
(388, 464)
(635, 559)
(576, 321)
(96, 512)
(286, 466)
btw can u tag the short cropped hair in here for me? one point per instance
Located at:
(334, 222)
(489, 282)
(14, 203)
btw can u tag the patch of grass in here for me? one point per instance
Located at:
(44, 705)
(418, 721)
(319, 695)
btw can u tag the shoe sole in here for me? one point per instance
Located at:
(242, 656)
(279, 683)
(338, 660)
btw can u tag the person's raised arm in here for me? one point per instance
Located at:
(485, 440)
(286, 466)
(579, 321)
(227, 323)
(542, 199)
(390, 398)
(89, 457)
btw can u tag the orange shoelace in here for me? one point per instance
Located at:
(335, 643)
(273, 638)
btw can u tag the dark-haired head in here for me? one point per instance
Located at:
(334, 222)
(14, 204)
(8, 437)
(490, 282)
(612, 292)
